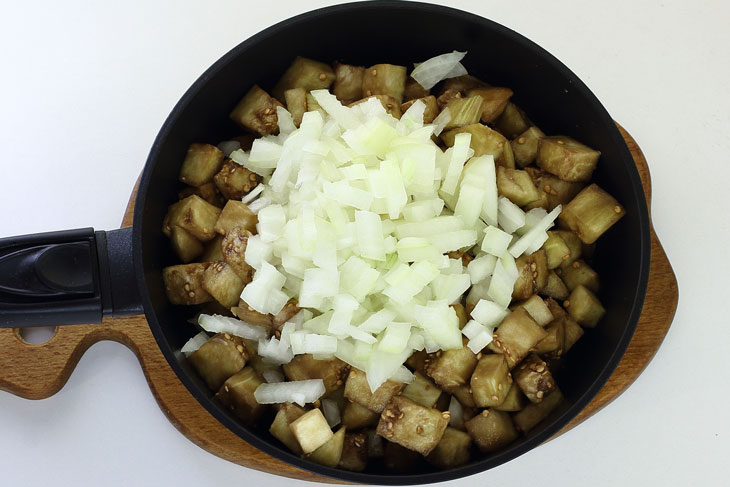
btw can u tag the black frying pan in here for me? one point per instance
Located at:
(78, 276)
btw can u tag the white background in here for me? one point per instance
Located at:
(85, 86)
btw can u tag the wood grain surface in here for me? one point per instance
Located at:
(39, 371)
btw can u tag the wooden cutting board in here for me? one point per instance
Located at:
(39, 371)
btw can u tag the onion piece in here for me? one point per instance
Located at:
(430, 72)
(194, 343)
(253, 194)
(300, 392)
(232, 326)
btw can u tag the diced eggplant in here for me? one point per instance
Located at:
(233, 250)
(453, 450)
(330, 453)
(534, 378)
(463, 83)
(555, 288)
(411, 425)
(446, 97)
(223, 284)
(237, 395)
(538, 310)
(385, 79)
(246, 313)
(400, 459)
(257, 112)
(533, 274)
(236, 214)
(304, 73)
(185, 245)
(413, 90)
(484, 141)
(495, 99)
(422, 391)
(491, 380)
(580, 273)
(296, 103)
(553, 190)
(463, 394)
(280, 427)
(208, 191)
(584, 307)
(391, 105)
(184, 284)
(512, 121)
(357, 417)
(311, 430)
(524, 146)
(201, 162)
(432, 109)
(452, 368)
(348, 83)
(290, 309)
(533, 413)
(567, 158)
(357, 389)
(573, 332)
(464, 111)
(591, 213)
(556, 250)
(418, 361)
(234, 181)
(553, 344)
(218, 359)
(461, 313)
(314, 106)
(333, 372)
(514, 401)
(574, 245)
(213, 251)
(195, 215)
(491, 430)
(354, 452)
(516, 185)
(516, 335)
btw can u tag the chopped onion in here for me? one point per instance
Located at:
(300, 392)
(495, 241)
(273, 376)
(253, 194)
(430, 72)
(228, 146)
(232, 326)
(457, 413)
(194, 343)
(488, 313)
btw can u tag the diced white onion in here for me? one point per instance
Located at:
(232, 326)
(194, 343)
(430, 72)
(300, 392)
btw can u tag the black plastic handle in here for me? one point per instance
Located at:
(67, 278)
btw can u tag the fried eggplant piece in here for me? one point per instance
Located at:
(491, 430)
(533, 413)
(453, 450)
(185, 245)
(201, 162)
(422, 391)
(257, 112)
(431, 111)
(311, 430)
(236, 214)
(385, 79)
(356, 416)
(534, 378)
(591, 213)
(296, 104)
(567, 158)
(219, 358)
(304, 73)
(233, 250)
(194, 215)
(357, 389)
(512, 121)
(222, 282)
(516, 336)
(452, 368)
(237, 395)
(484, 141)
(330, 453)
(584, 307)
(184, 284)
(354, 452)
(490, 381)
(495, 99)
(411, 425)
(533, 274)
(516, 185)
(235, 181)
(348, 83)
(333, 372)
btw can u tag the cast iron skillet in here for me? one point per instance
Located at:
(78, 276)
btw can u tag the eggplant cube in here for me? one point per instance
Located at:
(257, 112)
(185, 245)
(495, 99)
(533, 274)
(534, 378)
(567, 158)
(356, 416)
(354, 452)
(280, 427)
(491, 430)
(431, 111)
(304, 73)
(422, 391)
(233, 250)
(514, 401)
(296, 104)
(512, 121)
(237, 394)
(311, 430)
(591, 213)
(223, 284)
(333, 372)
(484, 141)
(524, 146)
(452, 368)
(384, 79)
(413, 91)
(235, 214)
(348, 83)
(533, 413)
(201, 162)
(453, 450)
(184, 284)
(219, 358)
(584, 307)
(330, 453)
(516, 335)
(491, 380)
(580, 273)
(516, 185)
(555, 287)
(411, 425)
(234, 181)
(464, 111)
(357, 389)
(194, 215)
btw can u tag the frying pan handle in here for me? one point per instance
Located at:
(67, 278)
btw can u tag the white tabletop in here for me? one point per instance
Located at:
(85, 87)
